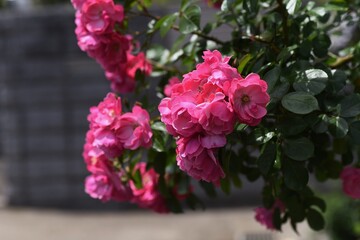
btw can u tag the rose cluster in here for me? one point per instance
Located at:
(111, 132)
(202, 109)
(97, 31)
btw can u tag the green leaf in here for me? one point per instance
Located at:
(296, 209)
(226, 5)
(321, 45)
(190, 19)
(208, 188)
(160, 163)
(267, 158)
(299, 149)
(318, 202)
(299, 102)
(272, 77)
(295, 174)
(159, 126)
(321, 123)
(225, 185)
(165, 23)
(276, 219)
(292, 125)
(137, 179)
(338, 127)
(312, 81)
(350, 106)
(315, 219)
(243, 61)
(293, 5)
(355, 132)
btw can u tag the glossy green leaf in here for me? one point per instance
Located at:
(338, 127)
(267, 158)
(295, 174)
(299, 102)
(355, 132)
(272, 77)
(312, 81)
(190, 19)
(350, 106)
(299, 149)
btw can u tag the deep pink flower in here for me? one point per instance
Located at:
(107, 112)
(78, 3)
(105, 185)
(137, 63)
(350, 177)
(99, 16)
(134, 129)
(196, 156)
(216, 117)
(148, 195)
(265, 216)
(173, 83)
(122, 76)
(249, 99)
(179, 115)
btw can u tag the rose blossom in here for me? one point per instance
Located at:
(105, 184)
(265, 216)
(99, 16)
(350, 177)
(173, 83)
(196, 156)
(249, 99)
(148, 195)
(134, 129)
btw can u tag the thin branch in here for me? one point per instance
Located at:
(285, 16)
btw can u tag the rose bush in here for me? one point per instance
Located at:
(270, 101)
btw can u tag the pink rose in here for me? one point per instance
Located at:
(148, 196)
(134, 129)
(265, 216)
(173, 82)
(137, 62)
(249, 99)
(196, 157)
(78, 3)
(105, 185)
(216, 117)
(99, 16)
(179, 115)
(108, 111)
(350, 177)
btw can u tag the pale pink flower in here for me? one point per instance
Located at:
(350, 177)
(173, 83)
(249, 99)
(148, 196)
(196, 156)
(134, 129)
(265, 216)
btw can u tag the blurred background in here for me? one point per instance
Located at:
(46, 88)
